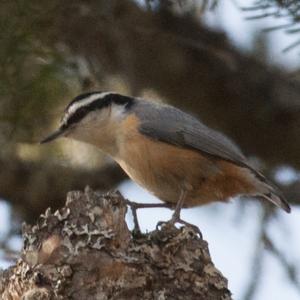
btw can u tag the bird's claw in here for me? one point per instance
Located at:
(193, 227)
(135, 206)
(172, 223)
(162, 224)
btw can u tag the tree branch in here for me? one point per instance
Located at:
(85, 251)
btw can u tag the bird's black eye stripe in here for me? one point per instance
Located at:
(97, 104)
(78, 115)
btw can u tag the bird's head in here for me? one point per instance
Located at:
(93, 118)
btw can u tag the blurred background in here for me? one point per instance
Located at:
(234, 64)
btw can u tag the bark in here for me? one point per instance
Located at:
(85, 251)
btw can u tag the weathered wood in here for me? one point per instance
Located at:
(86, 251)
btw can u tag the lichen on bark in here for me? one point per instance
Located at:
(86, 251)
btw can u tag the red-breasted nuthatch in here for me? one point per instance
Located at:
(165, 150)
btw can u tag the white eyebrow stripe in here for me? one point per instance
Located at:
(84, 102)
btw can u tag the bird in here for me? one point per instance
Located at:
(167, 151)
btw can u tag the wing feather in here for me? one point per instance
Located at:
(170, 125)
(173, 126)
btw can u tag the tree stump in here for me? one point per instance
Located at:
(86, 251)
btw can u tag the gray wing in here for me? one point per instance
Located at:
(173, 126)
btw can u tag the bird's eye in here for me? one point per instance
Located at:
(63, 126)
(77, 116)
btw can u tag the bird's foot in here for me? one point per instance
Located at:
(194, 227)
(134, 206)
(175, 219)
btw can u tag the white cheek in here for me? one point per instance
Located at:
(93, 119)
(117, 112)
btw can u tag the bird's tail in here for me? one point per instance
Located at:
(270, 192)
(276, 199)
(265, 189)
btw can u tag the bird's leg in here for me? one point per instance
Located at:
(176, 215)
(134, 206)
(136, 229)
(148, 205)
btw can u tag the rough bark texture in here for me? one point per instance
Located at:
(85, 251)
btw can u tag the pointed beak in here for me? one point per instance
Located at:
(53, 136)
